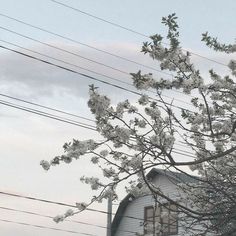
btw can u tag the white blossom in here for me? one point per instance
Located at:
(232, 65)
(109, 172)
(95, 159)
(58, 218)
(143, 100)
(81, 206)
(45, 164)
(92, 181)
(69, 212)
(104, 153)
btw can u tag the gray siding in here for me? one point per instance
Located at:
(136, 207)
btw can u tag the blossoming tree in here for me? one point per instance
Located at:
(140, 136)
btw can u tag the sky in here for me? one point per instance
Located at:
(26, 138)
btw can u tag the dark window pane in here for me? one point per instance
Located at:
(163, 220)
(148, 218)
(149, 212)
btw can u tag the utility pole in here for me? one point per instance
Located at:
(109, 215)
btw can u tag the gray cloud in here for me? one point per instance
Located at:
(33, 80)
(22, 75)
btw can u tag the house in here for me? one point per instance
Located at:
(140, 216)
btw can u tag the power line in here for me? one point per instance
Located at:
(59, 60)
(73, 206)
(64, 204)
(70, 70)
(75, 54)
(61, 204)
(101, 19)
(48, 115)
(64, 50)
(46, 107)
(83, 68)
(129, 29)
(84, 44)
(46, 227)
(85, 75)
(51, 217)
(72, 122)
(69, 39)
(80, 67)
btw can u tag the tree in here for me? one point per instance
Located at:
(139, 137)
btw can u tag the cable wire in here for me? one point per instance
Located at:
(63, 61)
(46, 227)
(64, 50)
(83, 68)
(61, 204)
(87, 76)
(72, 122)
(129, 29)
(51, 217)
(46, 107)
(101, 19)
(84, 44)
(73, 206)
(48, 115)
(126, 59)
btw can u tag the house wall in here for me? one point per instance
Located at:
(136, 207)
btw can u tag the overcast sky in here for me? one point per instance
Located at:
(26, 138)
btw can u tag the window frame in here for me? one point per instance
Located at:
(145, 218)
(167, 206)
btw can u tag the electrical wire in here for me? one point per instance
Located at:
(62, 204)
(129, 29)
(72, 206)
(84, 44)
(46, 227)
(48, 115)
(72, 122)
(83, 68)
(75, 54)
(69, 70)
(80, 67)
(46, 107)
(51, 217)
(63, 61)
(101, 19)
(69, 39)
(87, 76)
(63, 50)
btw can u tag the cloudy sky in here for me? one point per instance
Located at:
(27, 138)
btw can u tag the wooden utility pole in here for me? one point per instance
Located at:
(109, 215)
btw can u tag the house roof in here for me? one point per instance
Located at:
(177, 176)
(120, 212)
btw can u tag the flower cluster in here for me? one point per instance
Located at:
(81, 206)
(45, 165)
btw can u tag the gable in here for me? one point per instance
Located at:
(163, 179)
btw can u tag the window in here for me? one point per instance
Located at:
(162, 221)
